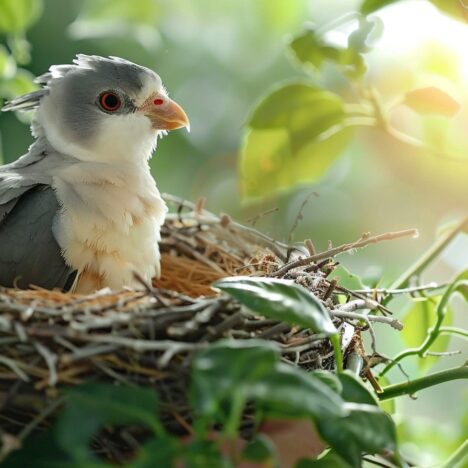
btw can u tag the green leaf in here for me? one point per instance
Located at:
(202, 454)
(369, 6)
(260, 449)
(94, 405)
(251, 370)
(281, 300)
(455, 8)
(227, 365)
(366, 429)
(420, 317)
(294, 135)
(330, 460)
(346, 279)
(121, 18)
(159, 452)
(354, 390)
(7, 64)
(312, 49)
(431, 100)
(306, 394)
(17, 15)
(330, 379)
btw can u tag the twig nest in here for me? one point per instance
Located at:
(52, 339)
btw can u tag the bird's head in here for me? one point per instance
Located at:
(102, 109)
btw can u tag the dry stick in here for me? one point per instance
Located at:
(300, 215)
(422, 288)
(253, 220)
(362, 242)
(347, 311)
(394, 323)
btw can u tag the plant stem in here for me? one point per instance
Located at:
(432, 333)
(336, 343)
(457, 457)
(428, 257)
(453, 331)
(411, 387)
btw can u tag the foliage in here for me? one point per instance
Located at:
(297, 131)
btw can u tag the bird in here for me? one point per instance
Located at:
(80, 211)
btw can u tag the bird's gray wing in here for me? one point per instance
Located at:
(29, 253)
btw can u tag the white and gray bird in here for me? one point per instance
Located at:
(81, 211)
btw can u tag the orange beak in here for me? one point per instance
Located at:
(164, 113)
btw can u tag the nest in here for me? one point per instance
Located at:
(50, 340)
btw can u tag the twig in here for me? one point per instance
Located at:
(253, 220)
(411, 387)
(362, 242)
(300, 215)
(413, 289)
(394, 323)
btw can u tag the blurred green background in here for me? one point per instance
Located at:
(218, 59)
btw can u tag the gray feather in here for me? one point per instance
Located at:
(29, 253)
(25, 102)
(125, 75)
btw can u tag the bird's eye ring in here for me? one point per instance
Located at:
(109, 101)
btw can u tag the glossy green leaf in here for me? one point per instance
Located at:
(306, 394)
(420, 317)
(354, 390)
(94, 405)
(294, 135)
(366, 429)
(369, 6)
(260, 449)
(312, 49)
(251, 370)
(17, 15)
(226, 365)
(281, 300)
(330, 460)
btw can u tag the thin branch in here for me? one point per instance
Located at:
(411, 290)
(394, 323)
(453, 331)
(365, 239)
(411, 387)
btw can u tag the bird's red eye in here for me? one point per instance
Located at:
(158, 102)
(109, 101)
